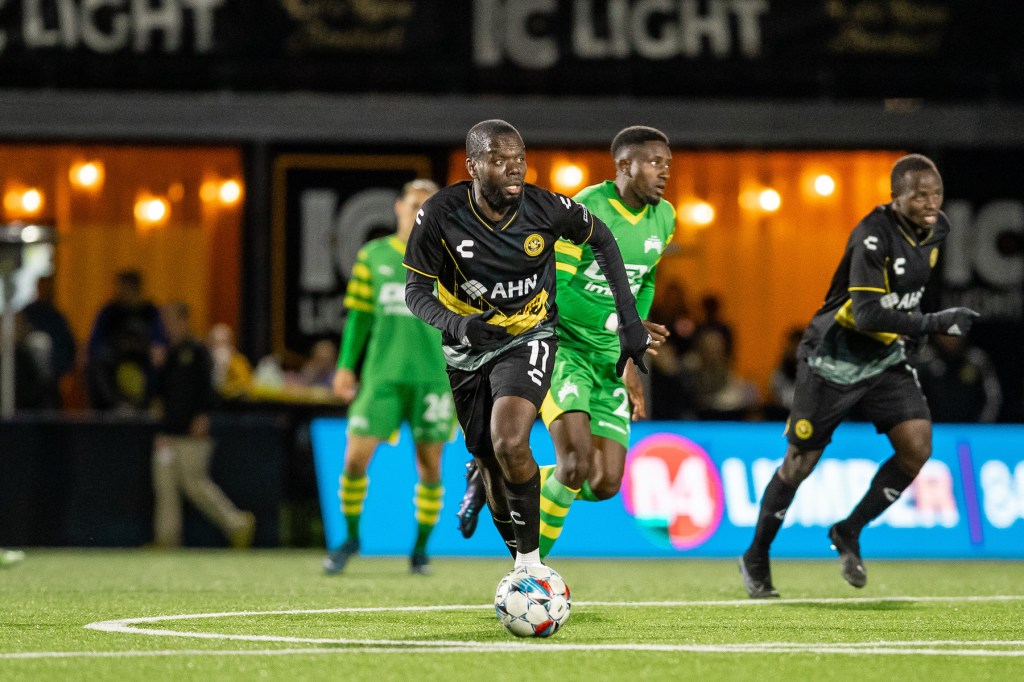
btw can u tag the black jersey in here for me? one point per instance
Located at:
(885, 256)
(507, 266)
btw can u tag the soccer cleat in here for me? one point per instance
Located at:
(757, 587)
(10, 557)
(419, 563)
(853, 570)
(336, 560)
(472, 501)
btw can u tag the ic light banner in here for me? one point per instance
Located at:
(693, 489)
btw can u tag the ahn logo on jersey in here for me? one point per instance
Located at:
(673, 490)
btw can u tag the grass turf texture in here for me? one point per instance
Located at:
(46, 602)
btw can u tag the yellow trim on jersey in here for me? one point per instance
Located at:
(360, 271)
(569, 249)
(910, 237)
(526, 318)
(881, 291)
(419, 272)
(632, 218)
(483, 221)
(844, 316)
(571, 269)
(452, 303)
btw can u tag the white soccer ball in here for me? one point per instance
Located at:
(532, 601)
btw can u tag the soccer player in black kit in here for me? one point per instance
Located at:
(487, 244)
(852, 353)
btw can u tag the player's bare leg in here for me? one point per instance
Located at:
(912, 441)
(570, 433)
(354, 486)
(428, 498)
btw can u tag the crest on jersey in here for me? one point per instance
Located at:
(933, 257)
(533, 245)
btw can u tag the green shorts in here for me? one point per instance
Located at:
(579, 384)
(380, 408)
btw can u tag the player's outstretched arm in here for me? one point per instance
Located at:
(633, 337)
(871, 316)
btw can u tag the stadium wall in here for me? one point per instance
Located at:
(693, 490)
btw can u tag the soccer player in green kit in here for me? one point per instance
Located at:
(587, 409)
(397, 385)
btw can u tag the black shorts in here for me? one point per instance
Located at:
(524, 371)
(819, 405)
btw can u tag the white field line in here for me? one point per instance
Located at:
(341, 645)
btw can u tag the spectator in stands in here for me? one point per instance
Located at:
(50, 325)
(29, 371)
(719, 393)
(959, 381)
(671, 394)
(127, 342)
(783, 379)
(318, 370)
(232, 372)
(183, 447)
(711, 305)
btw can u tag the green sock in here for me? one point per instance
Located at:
(587, 494)
(428, 502)
(555, 500)
(545, 472)
(352, 495)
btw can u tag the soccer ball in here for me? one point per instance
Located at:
(532, 601)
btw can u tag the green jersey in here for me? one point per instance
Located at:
(585, 301)
(402, 348)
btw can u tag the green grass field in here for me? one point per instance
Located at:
(272, 614)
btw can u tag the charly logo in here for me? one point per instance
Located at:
(673, 490)
(533, 245)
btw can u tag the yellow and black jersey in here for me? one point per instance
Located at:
(885, 269)
(506, 266)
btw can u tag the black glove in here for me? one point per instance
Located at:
(633, 340)
(475, 332)
(951, 321)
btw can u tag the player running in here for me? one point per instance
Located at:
(403, 379)
(852, 354)
(488, 245)
(590, 405)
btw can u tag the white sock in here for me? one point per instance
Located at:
(528, 558)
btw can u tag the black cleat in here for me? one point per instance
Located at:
(472, 501)
(335, 561)
(419, 563)
(758, 587)
(853, 570)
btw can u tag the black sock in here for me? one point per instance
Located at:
(778, 495)
(507, 532)
(524, 507)
(886, 487)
